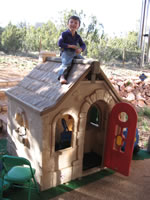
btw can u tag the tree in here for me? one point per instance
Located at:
(31, 39)
(120, 48)
(48, 35)
(132, 41)
(1, 31)
(94, 31)
(99, 45)
(11, 39)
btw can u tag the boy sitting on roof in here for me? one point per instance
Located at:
(71, 45)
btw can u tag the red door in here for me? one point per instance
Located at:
(122, 116)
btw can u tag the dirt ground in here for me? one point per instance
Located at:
(15, 67)
(116, 186)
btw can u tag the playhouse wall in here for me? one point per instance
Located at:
(32, 151)
(64, 165)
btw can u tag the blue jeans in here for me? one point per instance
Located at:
(67, 56)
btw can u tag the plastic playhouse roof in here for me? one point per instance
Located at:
(41, 90)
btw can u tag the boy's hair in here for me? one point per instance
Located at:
(75, 18)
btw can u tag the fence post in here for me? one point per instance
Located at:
(123, 57)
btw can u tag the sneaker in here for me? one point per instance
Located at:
(63, 80)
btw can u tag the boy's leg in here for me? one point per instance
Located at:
(68, 65)
(62, 79)
(78, 56)
(62, 71)
(67, 57)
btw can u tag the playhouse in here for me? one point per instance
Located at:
(62, 129)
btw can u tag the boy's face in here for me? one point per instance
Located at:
(73, 25)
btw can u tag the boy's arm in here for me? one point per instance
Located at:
(82, 44)
(61, 42)
(78, 50)
(72, 46)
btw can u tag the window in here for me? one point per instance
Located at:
(94, 116)
(22, 126)
(64, 129)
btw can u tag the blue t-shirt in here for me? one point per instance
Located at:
(67, 38)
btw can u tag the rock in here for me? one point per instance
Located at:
(130, 96)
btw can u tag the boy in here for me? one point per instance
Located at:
(71, 45)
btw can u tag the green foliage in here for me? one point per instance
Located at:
(144, 112)
(48, 35)
(11, 38)
(145, 125)
(139, 118)
(92, 37)
(32, 39)
(131, 41)
(120, 48)
(45, 36)
(1, 31)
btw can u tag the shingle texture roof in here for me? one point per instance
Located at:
(40, 89)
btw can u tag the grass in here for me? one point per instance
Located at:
(144, 118)
(145, 125)
(144, 112)
(147, 112)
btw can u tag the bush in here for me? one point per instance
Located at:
(11, 39)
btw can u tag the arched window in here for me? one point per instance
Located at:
(22, 126)
(94, 116)
(64, 130)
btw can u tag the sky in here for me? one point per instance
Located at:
(117, 16)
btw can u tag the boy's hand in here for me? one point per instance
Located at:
(72, 46)
(78, 51)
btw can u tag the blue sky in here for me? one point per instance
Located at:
(117, 16)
